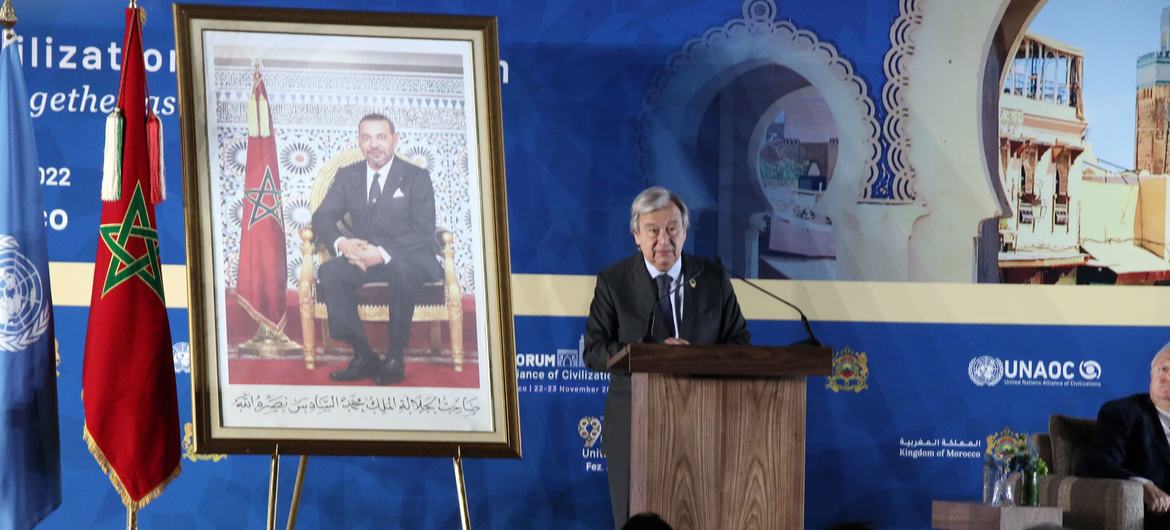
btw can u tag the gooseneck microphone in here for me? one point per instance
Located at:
(812, 339)
(648, 337)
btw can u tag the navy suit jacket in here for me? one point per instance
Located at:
(1129, 442)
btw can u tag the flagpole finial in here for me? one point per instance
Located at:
(7, 16)
(141, 12)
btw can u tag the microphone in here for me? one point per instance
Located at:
(812, 339)
(649, 335)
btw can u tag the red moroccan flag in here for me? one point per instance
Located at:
(131, 408)
(261, 284)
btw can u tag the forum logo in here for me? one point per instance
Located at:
(593, 458)
(589, 428)
(571, 358)
(986, 370)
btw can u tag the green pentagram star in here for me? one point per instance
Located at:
(117, 237)
(255, 196)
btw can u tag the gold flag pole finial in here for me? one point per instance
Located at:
(8, 19)
(141, 12)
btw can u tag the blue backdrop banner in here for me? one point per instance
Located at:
(847, 153)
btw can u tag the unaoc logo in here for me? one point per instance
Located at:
(986, 370)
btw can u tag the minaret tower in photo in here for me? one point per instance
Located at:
(1153, 106)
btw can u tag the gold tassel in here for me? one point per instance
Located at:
(112, 162)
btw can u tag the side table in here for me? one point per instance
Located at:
(956, 515)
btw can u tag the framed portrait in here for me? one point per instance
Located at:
(347, 242)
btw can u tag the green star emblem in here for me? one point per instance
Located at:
(124, 265)
(256, 196)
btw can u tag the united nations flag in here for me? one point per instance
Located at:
(30, 450)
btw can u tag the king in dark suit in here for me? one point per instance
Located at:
(1131, 442)
(389, 208)
(691, 301)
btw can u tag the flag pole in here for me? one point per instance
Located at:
(131, 513)
(131, 518)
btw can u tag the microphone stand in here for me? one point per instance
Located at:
(812, 339)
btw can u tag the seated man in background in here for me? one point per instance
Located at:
(1131, 441)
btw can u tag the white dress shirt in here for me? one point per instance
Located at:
(382, 172)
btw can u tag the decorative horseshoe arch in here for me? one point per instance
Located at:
(949, 136)
(925, 216)
(693, 77)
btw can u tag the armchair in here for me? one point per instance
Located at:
(1089, 503)
(441, 302)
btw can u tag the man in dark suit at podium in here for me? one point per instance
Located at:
(691, 301)
(1131, 442)
(390, 204)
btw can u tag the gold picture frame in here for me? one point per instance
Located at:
(437, 78)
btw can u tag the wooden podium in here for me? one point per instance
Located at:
(718, 433)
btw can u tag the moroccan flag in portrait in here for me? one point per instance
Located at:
(30, 449)
(262, 281)
(128, 381)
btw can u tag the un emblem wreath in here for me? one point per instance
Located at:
(985, 370)
(24, 312)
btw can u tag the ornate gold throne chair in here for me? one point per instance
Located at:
(440, 302)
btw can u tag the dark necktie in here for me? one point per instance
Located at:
(664, 301)
(375, 192)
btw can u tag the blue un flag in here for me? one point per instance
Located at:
(30, 448)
